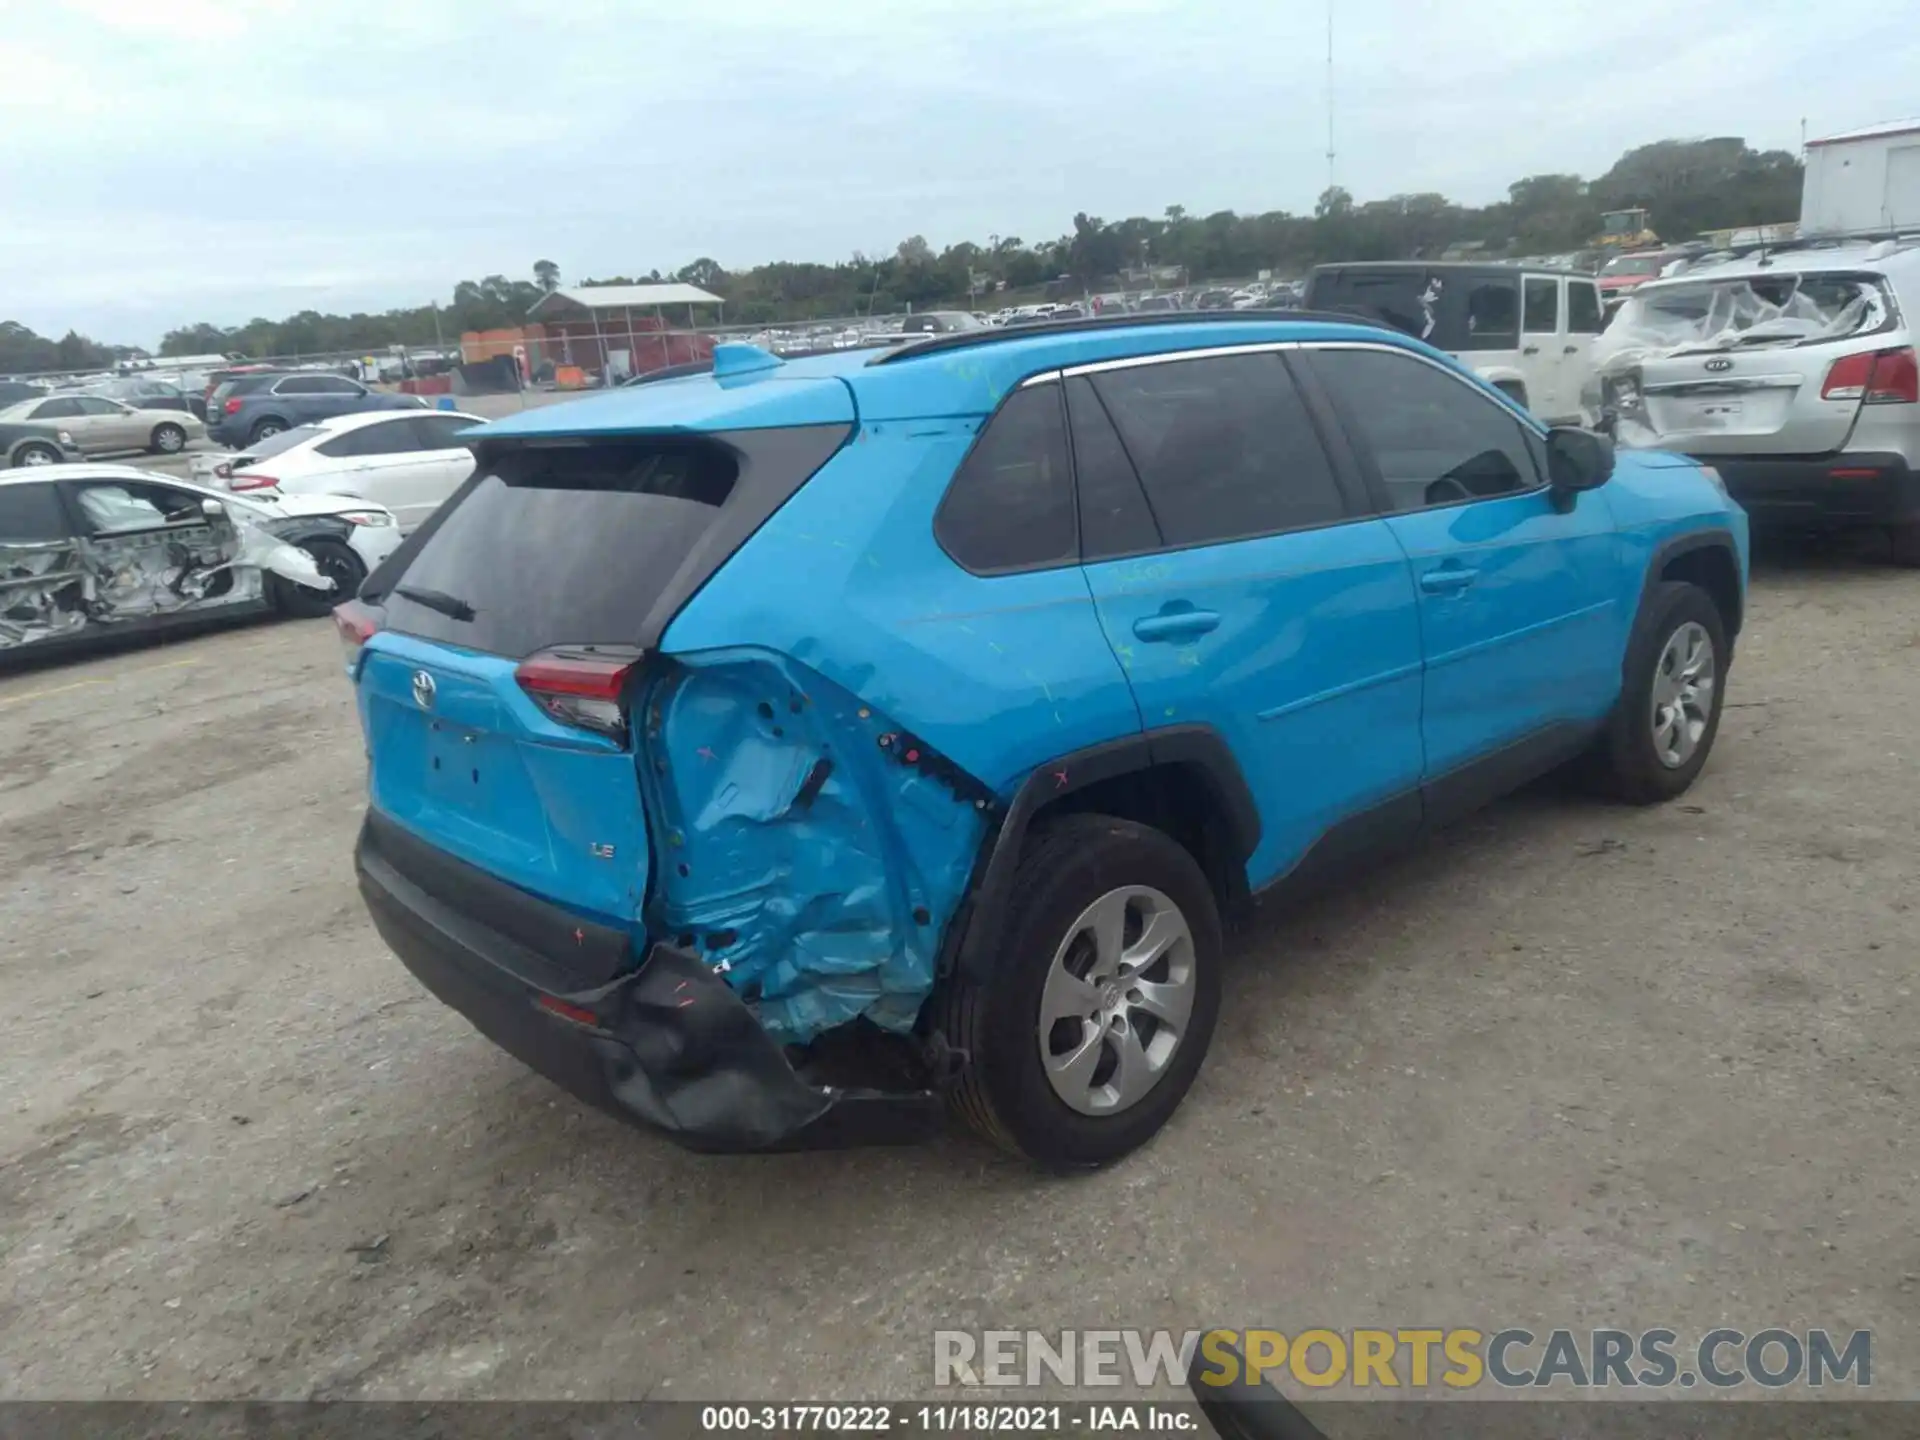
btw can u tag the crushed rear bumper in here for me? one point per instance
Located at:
(667, 1044)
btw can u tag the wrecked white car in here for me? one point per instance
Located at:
(1791, 372)
(90, 551)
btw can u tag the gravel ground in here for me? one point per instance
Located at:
(1567, 1065)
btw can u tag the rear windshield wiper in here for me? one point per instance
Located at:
(449, 605)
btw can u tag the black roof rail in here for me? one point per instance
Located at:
(968, 339)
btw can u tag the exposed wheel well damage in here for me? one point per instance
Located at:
(1713, 569)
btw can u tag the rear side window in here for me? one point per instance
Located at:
(388, 437)
(30, 515)
(1493, 316)
(1010, 506)
(441, 432)
(1224, 447)
(577, 544)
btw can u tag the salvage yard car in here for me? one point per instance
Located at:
(1792, 372)
(100, 426)
(771, 755)
(246, 409)
(1527, 332)
(408, 462)
(93, 551)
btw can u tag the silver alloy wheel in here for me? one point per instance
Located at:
(1117, 999)
(37, 455)
(1683, 681)
(170, 440)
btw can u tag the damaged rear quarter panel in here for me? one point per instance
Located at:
(845, 597)
(806, 844)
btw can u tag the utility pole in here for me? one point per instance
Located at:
(1330, 169)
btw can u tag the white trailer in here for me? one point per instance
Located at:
(1866, 179)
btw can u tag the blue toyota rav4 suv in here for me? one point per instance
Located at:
(781, 755)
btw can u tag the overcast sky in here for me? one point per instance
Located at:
(166, 161)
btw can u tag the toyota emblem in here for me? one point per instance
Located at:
(423, 689)
(1720, 364)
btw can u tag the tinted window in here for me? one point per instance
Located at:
(1115, 518)
(1407, 299)
(1010, 507)
(93, 405)
(57, 409)
(1435, 439)
(1223, 446)
(442, 432)
(302, 385)
(557, 546)
(1493, 316)
(389, 437)
(335, 385)
(30, 514)
(1543, 306)
(1583, 307)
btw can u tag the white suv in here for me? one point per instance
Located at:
(1527, 330)
(1792, 372)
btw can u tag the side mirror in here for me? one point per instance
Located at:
(210, 506)
(1577, 460)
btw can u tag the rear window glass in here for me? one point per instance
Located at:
(563, 546)
(1754, 311)
(285, 440)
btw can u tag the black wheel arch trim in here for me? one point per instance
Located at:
(299, 529)
(972, 938)
(1674, 547)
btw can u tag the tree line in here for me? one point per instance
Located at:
(1688, 186)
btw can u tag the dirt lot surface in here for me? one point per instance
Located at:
(1568, 1065)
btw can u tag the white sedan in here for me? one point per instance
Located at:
(408, 461)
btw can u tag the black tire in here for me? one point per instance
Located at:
(1628, 765)
(338, 563)
(167, 439)
(1002, 1090)
(1906, 545)
(36, 452)
(272, 425)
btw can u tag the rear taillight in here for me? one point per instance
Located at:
(355, 624)
(232, 407)
(252, 480)
(1874, 377)
(582, 685)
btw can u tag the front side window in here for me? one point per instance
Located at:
(94, 405)
(113, 507)
(1434, 439)
(1010, 506)
(1224, 447)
